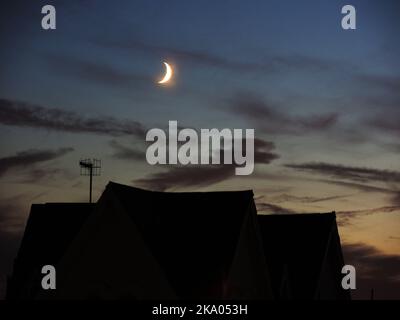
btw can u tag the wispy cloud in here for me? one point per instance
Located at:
(346, 218)
(358, 178)
(305, 199)
(126, 153)
(188, 176)
(267, 207)
(396, 199)
(270, 119)
(270, 63)
(21, 114)
(205, 175)
(387, 123)
(358, 186)
(43, 174)
(358, 174)
(375, 270)
(28, 159)
(264, 151)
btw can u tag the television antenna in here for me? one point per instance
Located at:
(90, 167)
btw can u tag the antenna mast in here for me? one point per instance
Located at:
(90, 167)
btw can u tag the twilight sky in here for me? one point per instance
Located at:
(324, 103)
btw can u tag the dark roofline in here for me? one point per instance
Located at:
(112, 184)
(326, 214)
(62, 203)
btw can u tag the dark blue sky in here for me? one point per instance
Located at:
(273, 48)
(324, 103)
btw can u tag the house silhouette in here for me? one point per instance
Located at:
(140, 244)
(304, 255)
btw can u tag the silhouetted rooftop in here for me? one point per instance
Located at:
(295, 246)
(193, 235)
(49, 230)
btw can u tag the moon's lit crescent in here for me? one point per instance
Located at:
(168, 74)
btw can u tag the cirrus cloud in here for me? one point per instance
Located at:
(21, 114)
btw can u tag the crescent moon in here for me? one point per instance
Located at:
(168, 74)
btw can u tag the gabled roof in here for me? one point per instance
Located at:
(191, 239)
(193, 236)
(49, 231)
(297, 244)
